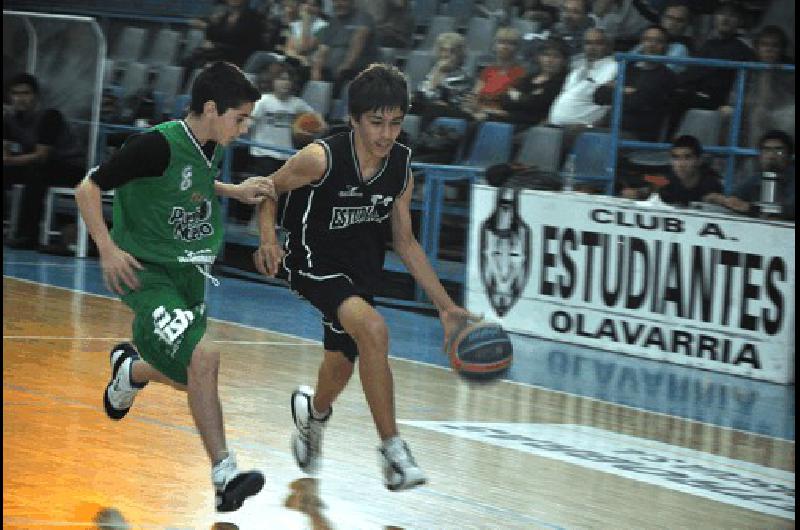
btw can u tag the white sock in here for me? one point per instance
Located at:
(224, 470)
(317, 415)
(389, 442)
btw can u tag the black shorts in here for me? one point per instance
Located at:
(326, 292)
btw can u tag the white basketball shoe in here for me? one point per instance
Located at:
(307, 438)
(400, 470)
(120, 391)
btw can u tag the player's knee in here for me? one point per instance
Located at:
(373, 332)
(204, 362)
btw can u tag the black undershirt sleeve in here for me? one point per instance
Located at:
(143, 155)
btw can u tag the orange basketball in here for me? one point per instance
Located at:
(307, 123)
(479, 348)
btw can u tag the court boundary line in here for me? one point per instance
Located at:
(518, 383)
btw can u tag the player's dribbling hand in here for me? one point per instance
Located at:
(267, 258)
(118, 266)
(451, 319)
(255, 189)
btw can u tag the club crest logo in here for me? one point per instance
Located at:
(505, 252)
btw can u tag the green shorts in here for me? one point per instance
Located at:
(169, 316)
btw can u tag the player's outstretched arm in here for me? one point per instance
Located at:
(415, 260)
(251, 191)
(307, 166)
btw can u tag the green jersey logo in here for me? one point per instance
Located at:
(192, 225)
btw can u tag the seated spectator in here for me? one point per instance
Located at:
(346, 46)
(648, 86)
(537, 11)
(708, 88)
(39, 151)
(528, 102)
(444, 89)
(280, 26)
(232, 34)
(769, 94)
(303, 37)
(397, 28)
(775, 155)
(676, 17)
(575, 104)
(574, 20)
(690, 180)
(495, 80)
(624, 20)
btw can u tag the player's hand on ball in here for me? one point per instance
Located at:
(268, 258)
(255, 189)
(453, 319)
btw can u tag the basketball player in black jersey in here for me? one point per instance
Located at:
(342, 190)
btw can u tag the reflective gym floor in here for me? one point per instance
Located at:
(571, 438)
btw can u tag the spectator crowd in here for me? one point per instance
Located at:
(528, 63)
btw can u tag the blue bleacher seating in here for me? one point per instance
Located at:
(492, 145)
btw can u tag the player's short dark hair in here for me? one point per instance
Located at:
(379, 86)
(24, 79)
(689, 141)
(781, 136)
(224, 84)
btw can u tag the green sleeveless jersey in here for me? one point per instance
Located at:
(174, 217)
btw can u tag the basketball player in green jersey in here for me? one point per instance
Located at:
(167, 231)
(343, 192)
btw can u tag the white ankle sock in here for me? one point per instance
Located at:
(224, 470)
(390, 442)
(317, 415)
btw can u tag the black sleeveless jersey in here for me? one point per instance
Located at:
(339, 224)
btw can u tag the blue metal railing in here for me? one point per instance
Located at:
(732, 150)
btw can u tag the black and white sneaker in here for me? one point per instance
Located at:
(232, 487)
(121, 391)
(400, 470)
(307, 438)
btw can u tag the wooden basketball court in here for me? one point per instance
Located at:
(499, 455)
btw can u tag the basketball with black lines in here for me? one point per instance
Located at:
(479, 348)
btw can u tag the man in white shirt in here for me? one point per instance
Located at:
(575, 105)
